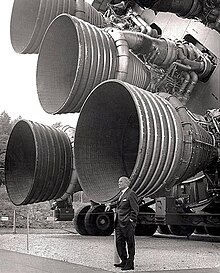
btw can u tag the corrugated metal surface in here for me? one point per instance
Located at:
(30, 19)
(38, 163)
(124, 130)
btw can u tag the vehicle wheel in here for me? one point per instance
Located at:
(200, 230)
(215, 231)
(79, 220)
(142, 227)
(98, 222)
(181, 230)
(163, 229)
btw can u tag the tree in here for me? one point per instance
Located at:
(57, 125)
(13, 122)
(6, 125)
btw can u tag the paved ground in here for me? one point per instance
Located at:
(23, 263)
(61, 251)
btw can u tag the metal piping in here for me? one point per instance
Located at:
(186, 77)
(124, 130)
(141, 43)
(167, 52)
(193, 81)
(144, 27)
(30, 19)
(122, 53)
(74, 185)
(144, 44)
(38, 163)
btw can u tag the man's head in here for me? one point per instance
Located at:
(123, 182)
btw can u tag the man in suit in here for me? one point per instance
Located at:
(125, 221)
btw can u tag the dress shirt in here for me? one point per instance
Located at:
(122, 192)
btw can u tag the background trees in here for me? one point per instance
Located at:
(6, 125)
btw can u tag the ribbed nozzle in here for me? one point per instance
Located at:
(126, 131)
(75, 57)
(30, 19)
(38, 163)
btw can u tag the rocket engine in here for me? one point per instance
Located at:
(40, 163)
(151, 138)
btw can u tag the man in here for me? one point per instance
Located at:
(126, 217)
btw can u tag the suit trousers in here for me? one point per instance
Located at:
(125, 234)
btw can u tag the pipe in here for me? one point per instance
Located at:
(168, 52)
(30, 19)
(192, 83)
(38, 163)
(147, 15)
(141, 43)
(74, 185)
(123, 130)
(143, 26)
(72, 63)
(186, 77)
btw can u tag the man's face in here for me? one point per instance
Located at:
(122, 183)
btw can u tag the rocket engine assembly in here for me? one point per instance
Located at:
(148, 103)
(82, 56)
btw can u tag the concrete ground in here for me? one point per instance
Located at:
(23, 263)
(48, 251)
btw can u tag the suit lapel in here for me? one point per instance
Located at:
(124, 195)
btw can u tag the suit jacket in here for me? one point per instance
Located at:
(127, 209)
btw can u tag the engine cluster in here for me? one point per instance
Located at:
(132, 86)
(176, 65)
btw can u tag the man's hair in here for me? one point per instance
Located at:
(125, 178)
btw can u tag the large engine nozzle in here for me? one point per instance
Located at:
(76, 56)
(39, 163)
(180, 7)
(151, 138)
(30, 19)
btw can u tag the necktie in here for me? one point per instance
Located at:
(120, 196)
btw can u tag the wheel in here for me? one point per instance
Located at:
(79, 220)
(163, 229)
(181, 230)
(98, 222)
(215, 231)
(143, 228)
(200, 230)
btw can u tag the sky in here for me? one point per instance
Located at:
(18, 79)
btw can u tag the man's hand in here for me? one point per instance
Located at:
(107, 207)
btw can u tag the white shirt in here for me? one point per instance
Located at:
(122, 192)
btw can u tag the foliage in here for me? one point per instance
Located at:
(57, 125)
(38, 214)
(6, 125)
